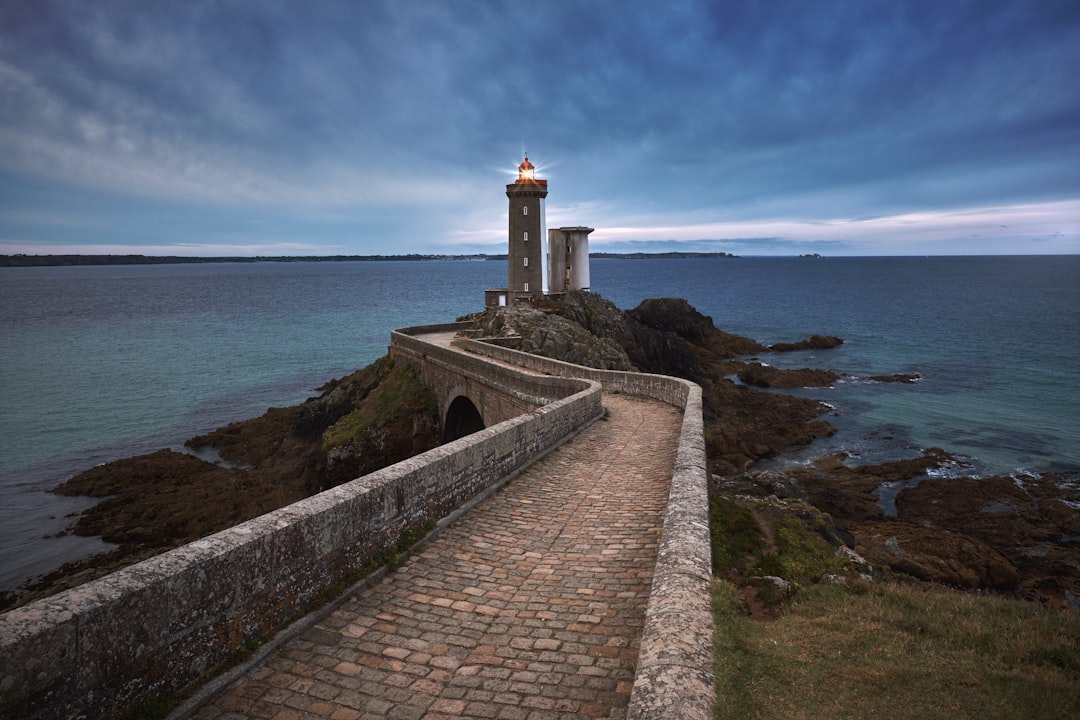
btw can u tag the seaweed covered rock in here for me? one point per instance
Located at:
(393, 419)
(1011, 534)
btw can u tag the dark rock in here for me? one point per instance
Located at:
(849, 492)
(816, 342)
(936, 555)
(368, 420)
(769, 377)
(1027, 519)
(999, 533)
(675, 315)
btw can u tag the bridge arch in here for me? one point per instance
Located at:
(462, 418)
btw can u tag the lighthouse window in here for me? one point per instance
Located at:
(526, 287)
(524, 209)
(525, 236)
(526, 262)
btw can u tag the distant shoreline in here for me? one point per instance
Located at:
(70, 260)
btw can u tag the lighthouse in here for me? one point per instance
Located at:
(533, 271)
(528, 234)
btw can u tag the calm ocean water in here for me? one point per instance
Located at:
(100, 363)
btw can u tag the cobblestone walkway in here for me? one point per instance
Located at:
(530, 607)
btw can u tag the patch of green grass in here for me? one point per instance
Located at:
(895, 651)
(396, 391)
(737, 536)
(800, 556)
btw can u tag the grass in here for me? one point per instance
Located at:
(791, 548)
(800, 555)
(873, 649)
(895, 651)
(737, 537)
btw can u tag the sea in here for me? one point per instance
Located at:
(103, 362)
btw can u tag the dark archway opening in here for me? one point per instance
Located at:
(462, 418)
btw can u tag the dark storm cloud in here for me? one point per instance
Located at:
(366, 126)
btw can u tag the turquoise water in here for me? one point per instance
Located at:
(100, 363)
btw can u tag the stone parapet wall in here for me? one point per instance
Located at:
(108, 646)
(674, 676)
(672, 390)
(499, 391)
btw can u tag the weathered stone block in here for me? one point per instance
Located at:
(38, 660)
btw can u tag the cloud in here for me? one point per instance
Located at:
(968, 230)
(694, 114)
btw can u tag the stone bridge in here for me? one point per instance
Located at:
(169, 624)
(473, 391)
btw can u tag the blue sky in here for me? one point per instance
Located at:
(865, 127)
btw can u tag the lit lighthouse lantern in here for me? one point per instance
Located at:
(526, 171)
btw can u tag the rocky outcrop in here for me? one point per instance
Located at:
(1031, 521)
(369, 420)
(767, 376)
(381, 415)
(816, 342)
(664, 322)
(1017, 535)
(532, 330)
(366, 421)
(850, 492)
(936, 555)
